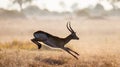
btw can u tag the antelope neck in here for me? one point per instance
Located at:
(68, 38)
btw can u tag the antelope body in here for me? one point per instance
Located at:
(54, 41)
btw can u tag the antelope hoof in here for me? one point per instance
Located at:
(39, 46)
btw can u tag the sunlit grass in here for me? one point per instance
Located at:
(26, 58)
(15, 44)
(26, 54)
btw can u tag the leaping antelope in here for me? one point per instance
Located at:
(54, 41)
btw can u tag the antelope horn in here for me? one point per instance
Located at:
(68, 27)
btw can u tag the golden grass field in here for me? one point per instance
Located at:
(99, 44)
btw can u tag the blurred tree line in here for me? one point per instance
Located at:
(21, 2)
(96, 11)
(74, 7)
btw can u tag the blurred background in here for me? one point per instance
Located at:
(95, 21)
(92, 8)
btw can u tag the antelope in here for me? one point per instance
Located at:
(54, 41)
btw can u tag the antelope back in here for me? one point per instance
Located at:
(40, 35)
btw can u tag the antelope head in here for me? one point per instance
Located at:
(73, 33)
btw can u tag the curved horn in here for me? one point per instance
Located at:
(68, 27)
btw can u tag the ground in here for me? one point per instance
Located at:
(98, 45)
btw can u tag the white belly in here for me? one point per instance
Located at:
(50, 43)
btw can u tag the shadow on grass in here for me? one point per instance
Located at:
(54, 61)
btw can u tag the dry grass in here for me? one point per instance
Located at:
(99, 44)
(17, 45)
(25, 54)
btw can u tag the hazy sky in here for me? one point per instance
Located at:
(54, 5)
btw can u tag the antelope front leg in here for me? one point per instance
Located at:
(36, 42)
(70, 52)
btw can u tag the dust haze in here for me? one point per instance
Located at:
(98, 30)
